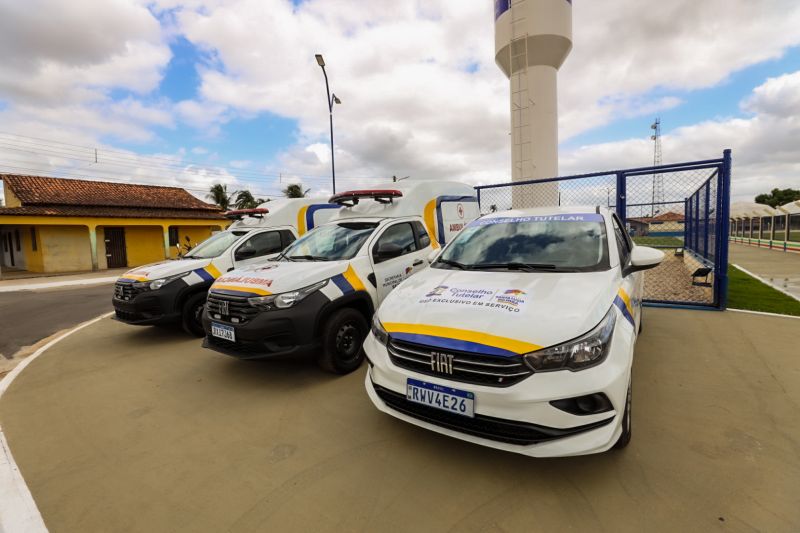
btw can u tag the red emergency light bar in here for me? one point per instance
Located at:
(351, 198)
(238, 214)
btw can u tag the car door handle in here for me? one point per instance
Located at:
(418, 262)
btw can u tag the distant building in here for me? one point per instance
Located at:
(65, 225)
(667, 224)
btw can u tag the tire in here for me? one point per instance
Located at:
(192, 314)
(343, 337)
(625, 436)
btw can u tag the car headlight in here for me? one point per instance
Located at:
(156, 284)
(584, 352)
(378, 330)
(285, 300)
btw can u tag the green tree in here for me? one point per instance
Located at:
(219, 195)
(295, 190)
(245, 200)
(778, 197)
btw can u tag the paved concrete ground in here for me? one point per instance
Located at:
(120, 428)
(781, 267)
(30, 316)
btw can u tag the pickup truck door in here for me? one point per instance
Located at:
(260, 246)
(397, 253)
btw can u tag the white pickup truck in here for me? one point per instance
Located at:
(175, 290)
(323, 289)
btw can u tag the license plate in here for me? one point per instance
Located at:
(445, 398)
(223, 332)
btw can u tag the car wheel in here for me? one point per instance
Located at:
(192, 315)
(342, 341)
(625, 436)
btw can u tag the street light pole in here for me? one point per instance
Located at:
(332, 99)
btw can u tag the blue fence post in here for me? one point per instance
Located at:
(721, 265)
(621, 201)
(477, 189)
(687, 223)
(706, 219)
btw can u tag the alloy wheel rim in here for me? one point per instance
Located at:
(347, 340)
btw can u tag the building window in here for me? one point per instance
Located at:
(16, 239)
(779, 228)
(33, 239)
(794, 228)
(174, 238)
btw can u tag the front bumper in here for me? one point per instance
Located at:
(518, 418)
(277, 332)
(150, 307)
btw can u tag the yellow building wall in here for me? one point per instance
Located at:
(144, 244)
(196, 234)
(102, 260)
(11, 199)
(65, 248)
(34, 259)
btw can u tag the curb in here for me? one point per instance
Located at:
(18, 511)
(767, 283)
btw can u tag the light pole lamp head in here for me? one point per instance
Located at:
(320, 60)
(336, 100)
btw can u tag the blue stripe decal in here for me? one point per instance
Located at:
(442, 199)
(235, 293)
(313, 209)
(620, 303)
(203, 274)
(343, 284)
(453, 344)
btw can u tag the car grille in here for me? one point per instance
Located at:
(487, 427)
(126, 291)
(239, 310)
(467, 367)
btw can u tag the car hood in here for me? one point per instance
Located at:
(164, 269)
(278, 276)
(514, 312)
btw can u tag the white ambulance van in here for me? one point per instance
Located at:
(520, 335)
(321, 292)
(175, 290)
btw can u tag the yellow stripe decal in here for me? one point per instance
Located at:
(430, 223)
(135, 278)
(239, 288)
(211, 269)
(301, 220)
(627, 299)
(351, 276)
(512, 345)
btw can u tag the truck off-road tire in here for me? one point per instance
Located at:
(192, 314)
(343, 337)
(625, 436)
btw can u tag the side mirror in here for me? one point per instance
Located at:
(434, 255)
(643, 258)
(242, 254)
(388, 250)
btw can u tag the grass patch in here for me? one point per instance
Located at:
(746, 292)
(677, 242)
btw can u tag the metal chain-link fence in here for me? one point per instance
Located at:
(680, 209)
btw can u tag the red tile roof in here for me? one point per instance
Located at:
(109, 212)
(40, 191)
(669, 216)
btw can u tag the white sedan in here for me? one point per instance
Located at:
(520, 336)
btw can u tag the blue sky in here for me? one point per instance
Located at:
(234, 86)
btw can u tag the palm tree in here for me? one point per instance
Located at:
(219, 195)
(295, 190)
(245, 200)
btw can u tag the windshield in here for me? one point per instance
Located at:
(558, 243)
(332, 242)
(215, 245)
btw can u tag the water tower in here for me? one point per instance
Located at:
(532, 39)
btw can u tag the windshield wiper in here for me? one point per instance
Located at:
(454, 263)
(527, 267)
(306, 258)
